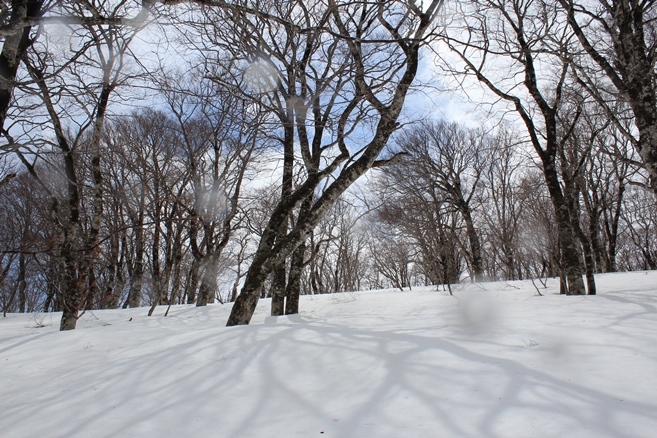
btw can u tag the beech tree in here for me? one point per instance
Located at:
(619, 37)
(25, 228)
(337, 252)
(72, 99)
(416, 224)
(220, 132)
(452, 159)
(335, 77)
(503, 206)
(22, 21)
(522, 39)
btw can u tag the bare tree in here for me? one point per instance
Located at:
(452, 159)
(640, 219)
(220, 133)
(525, 39)
(539, 246)
(17, 38)
(23, 238)
(415, 210)
(337, 251)
(74, 97)
(504, 205)
(619, 36)
(322, 69)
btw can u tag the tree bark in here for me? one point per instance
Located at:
(208, 281)
(475, 245)
(22, 284)
(632, 68)
(191, 287)
(293, 290)
(279, 277)
(272, 252)
(13, 50)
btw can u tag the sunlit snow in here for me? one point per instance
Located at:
(494, 360)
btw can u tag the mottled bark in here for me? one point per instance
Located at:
(277, 290)
(176, 267)
(156, 271)
(570, 264)
(293, 289)
(629, 64)
(611, 227)
(279, 280)
(343, 169)
(13, 50)
(110, 296)
(137, 275)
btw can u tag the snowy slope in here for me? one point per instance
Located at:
(496, 360)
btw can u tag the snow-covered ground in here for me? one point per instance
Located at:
(495, 360)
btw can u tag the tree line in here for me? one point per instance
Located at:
(132, 175)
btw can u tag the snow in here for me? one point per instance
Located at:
(495, 360)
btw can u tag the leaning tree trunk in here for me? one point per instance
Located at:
(344, 169)
(13, 50)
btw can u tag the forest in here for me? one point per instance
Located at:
(164, 152)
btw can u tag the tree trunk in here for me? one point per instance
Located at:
(137, 277)
(293, 290)
(247, 300)
(569, 259)
(191, 286)
(343, 170)
(611, 227)
(277, 290)
(473, 240)
(110, 297)
(22, 284)
(279, 280)
(13, 50)
(589, 264)
(71, 298)
(208, 281)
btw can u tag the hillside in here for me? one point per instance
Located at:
(495, 360)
